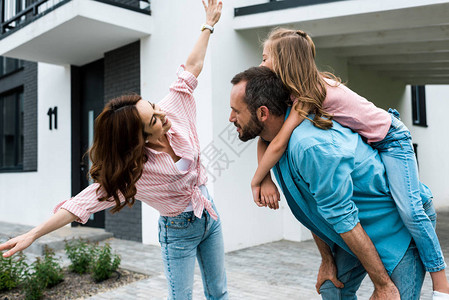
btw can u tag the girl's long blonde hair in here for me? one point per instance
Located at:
(292, 53)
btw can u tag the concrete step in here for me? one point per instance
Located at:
(55, 240)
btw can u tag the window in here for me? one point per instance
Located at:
(11, 131)
(419, 105)
(9, 65)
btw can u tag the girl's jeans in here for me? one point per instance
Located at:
(184, 238)
(412, 198)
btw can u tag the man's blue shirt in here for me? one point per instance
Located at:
(332, 180)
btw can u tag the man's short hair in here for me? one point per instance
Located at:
(263, 88)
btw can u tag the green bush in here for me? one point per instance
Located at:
(47, 270)
(80, 254)
(33, 288)
(105, 263)
(46, 273)
(13, 271)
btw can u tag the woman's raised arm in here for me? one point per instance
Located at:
(195, 60)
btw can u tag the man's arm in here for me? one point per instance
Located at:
(328, 269)
(362, 246)
(328, 169)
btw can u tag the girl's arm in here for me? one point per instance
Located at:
(256, 190)
(195, 60)
(61, 218)
(276, 149)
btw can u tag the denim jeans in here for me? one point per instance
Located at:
(408, 276)
(411, 196)
(184, 238)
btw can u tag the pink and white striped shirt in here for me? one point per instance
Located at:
(162, 185)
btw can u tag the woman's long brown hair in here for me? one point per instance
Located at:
(118, 151)
(293, 58)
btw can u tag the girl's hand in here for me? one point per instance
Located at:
(255, 189)
(298, 112)
(213, 11)
(269, 194)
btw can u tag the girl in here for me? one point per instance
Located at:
(291, 55)
(151, 152)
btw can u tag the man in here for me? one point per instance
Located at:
(335, 184)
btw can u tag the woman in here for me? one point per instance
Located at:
(151, 152)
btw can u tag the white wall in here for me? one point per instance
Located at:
(32, 201)
(433, 142)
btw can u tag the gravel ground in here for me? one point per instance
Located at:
(77, 286)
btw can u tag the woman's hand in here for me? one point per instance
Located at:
(60, 218)
(213, 11)
(17, 244)
(195, 60)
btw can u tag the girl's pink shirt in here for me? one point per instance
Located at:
(353, 111)
(162, 185)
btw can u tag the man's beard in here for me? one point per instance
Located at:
(250, 130)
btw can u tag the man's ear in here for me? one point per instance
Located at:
(262, 113)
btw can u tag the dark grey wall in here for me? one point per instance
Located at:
(122, 76)
(122, 71)
(26, 78)
(30, 117)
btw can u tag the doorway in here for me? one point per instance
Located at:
(87, 104)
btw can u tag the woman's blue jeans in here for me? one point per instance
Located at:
(185, 238)
(412, 198)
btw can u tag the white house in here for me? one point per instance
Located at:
(88, 51)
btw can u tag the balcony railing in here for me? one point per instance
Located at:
(15, 14)
(273, 5)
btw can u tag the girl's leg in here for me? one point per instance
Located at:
(398, 157)
(404, 187)
(402, 172)
(179, 238)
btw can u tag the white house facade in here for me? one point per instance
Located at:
(77, 54)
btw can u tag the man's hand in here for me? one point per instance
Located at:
(327, 271)
(386, 293)
(362, 246)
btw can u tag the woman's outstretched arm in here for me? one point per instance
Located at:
(60, 218)
(195, 60)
